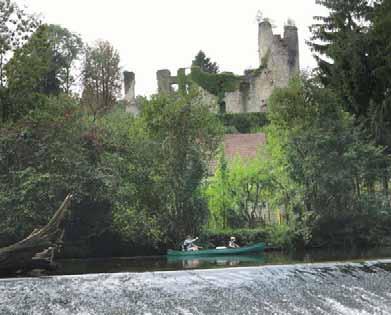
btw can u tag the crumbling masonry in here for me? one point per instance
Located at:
(278, 60)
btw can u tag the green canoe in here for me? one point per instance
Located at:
(256, 248)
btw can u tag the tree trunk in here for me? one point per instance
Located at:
(37, 250)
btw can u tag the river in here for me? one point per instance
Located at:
(254, 285)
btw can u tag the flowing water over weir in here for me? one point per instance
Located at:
(327, 288)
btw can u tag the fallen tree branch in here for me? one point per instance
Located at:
(37, 250)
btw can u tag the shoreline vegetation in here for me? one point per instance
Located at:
(140, 184)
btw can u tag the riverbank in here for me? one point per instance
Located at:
(324, 288)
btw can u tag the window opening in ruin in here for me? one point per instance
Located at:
(222, 108)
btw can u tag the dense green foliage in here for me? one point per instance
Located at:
(318, 171)
(334, 163)
(238, 193)
(277, 236)
(215, 83)
(243, 236)
(40, 67)
(160, 174)
(16, 26)
(244, 122)
(352, 45)
(353, 51)
(44, 64)
(42, 158)
(135, 180)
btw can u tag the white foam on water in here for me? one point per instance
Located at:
(184, 311)
(327, 288)
(338, 308)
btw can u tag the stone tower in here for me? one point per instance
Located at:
(291, 38)
(265, 40)
(130, 96)
(129, 83)
(280, 55)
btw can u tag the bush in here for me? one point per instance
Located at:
(44, 157)
(369, 226)
(243, 236)
(281, 236)
(244, 122)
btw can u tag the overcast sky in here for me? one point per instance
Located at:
(166, 34)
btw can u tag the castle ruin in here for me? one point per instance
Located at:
(278, 63)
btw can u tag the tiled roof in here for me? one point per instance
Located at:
(243, 145)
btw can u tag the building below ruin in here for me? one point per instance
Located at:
(243, 146)
(278, 63)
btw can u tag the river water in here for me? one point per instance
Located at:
(359, 287)
(145, 264)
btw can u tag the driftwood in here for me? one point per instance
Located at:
(37, 250)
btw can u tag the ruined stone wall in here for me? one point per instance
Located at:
(164, 81)
(233, 102)
(279, 62)
(261, 87)
(210, 99)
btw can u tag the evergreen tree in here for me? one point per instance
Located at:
(352, 47)
(341, 47)
(205, 63)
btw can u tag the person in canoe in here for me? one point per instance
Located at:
(188, 244)
(232, 243)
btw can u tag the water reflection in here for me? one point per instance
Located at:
(218, 261)
(162, 263)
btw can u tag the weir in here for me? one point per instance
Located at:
(328, 288)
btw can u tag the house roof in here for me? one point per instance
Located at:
(243, 145)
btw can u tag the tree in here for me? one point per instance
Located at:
(189, 134)
(380, 106)
(341, 47)
(15, 28)
(160, 168)
(65, 49)
(26, 74)
(101, 77)
(41, 67)
(239, 192)
(352, 48)
(205, 63)
(46, 154)
(335, 165)
(219, 196)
